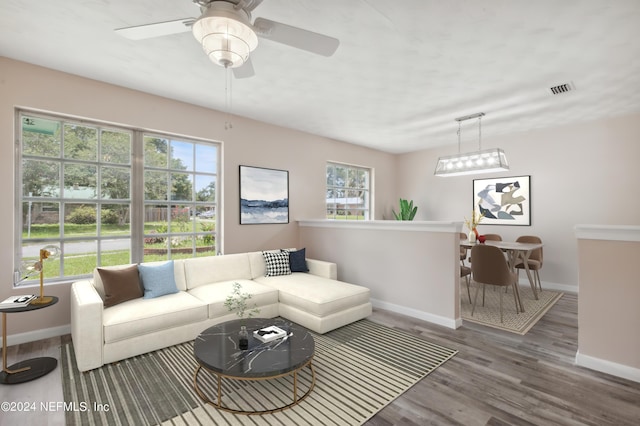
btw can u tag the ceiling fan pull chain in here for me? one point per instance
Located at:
(227, 95)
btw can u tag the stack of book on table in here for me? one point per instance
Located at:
(17, 301)
(268, 334)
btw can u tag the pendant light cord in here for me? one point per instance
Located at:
(480, 133)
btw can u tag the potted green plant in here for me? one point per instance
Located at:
(407, 210)
(237, 302)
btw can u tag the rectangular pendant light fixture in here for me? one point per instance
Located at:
(481, 161)
(486, 161)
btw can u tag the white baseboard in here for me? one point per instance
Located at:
(32, 336)
(567, 288)
(604, 366)
(415, 313)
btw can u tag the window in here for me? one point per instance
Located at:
(348, 192)
(86, 188)
(179, 198)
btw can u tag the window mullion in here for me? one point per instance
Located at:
(137, 198)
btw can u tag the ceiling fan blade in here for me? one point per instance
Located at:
(244, 71)
(140, 32)
(296, 37)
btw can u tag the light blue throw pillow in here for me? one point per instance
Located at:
(158, 279)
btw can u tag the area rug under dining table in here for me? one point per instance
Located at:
(360, 368)
(489, 314)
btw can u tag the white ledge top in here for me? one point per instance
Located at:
(385, 225)
(608, 232)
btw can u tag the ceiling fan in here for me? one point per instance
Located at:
(227, 35)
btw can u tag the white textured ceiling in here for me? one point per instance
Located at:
(405, 69)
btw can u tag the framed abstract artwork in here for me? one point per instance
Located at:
(504, 201)
(264, 196)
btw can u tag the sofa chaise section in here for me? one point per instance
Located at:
(315, 300)
(318, 303)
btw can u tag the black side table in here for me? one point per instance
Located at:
(29, 369)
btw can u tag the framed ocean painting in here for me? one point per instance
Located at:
(264, 196)
(504, 201)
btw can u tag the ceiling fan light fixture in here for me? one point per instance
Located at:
(225, 34)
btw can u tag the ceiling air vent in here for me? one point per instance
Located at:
(561, 88)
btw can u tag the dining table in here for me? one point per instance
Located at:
(515, 251)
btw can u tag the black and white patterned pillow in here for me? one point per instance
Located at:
(277, 263)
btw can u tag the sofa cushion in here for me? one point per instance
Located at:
(157, 280)
(142, 316)
(277, 263)
(97, 280)
(178, 273)
(215, 294)
(258, 264)
(120, 285)
(178, 270)
(316, 295)
(297, 260)
(206, 270)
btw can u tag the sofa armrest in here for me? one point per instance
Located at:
(86, 325)
(323, 269)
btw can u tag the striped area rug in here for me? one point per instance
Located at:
(514, 322)
(360, 368)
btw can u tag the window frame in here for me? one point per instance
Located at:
(136, 199)
(367, 210)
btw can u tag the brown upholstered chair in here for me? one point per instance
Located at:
(535, 259)
(465, 272)
(463, 250)
(490, 267)
(490, 237)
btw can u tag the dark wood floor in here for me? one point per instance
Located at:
(497, 378)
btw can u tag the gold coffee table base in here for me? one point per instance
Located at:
(218, 404)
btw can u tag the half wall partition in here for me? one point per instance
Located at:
(412, 268)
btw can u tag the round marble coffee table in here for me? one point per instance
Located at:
(216, 350)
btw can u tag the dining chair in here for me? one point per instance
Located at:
(465, 272)
(535, 259)
(490, 237)
(463, 250)
(494, 237)
(490, 267)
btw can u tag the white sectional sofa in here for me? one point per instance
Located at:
(315, 300)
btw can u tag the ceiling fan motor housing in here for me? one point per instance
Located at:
(226, 34)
